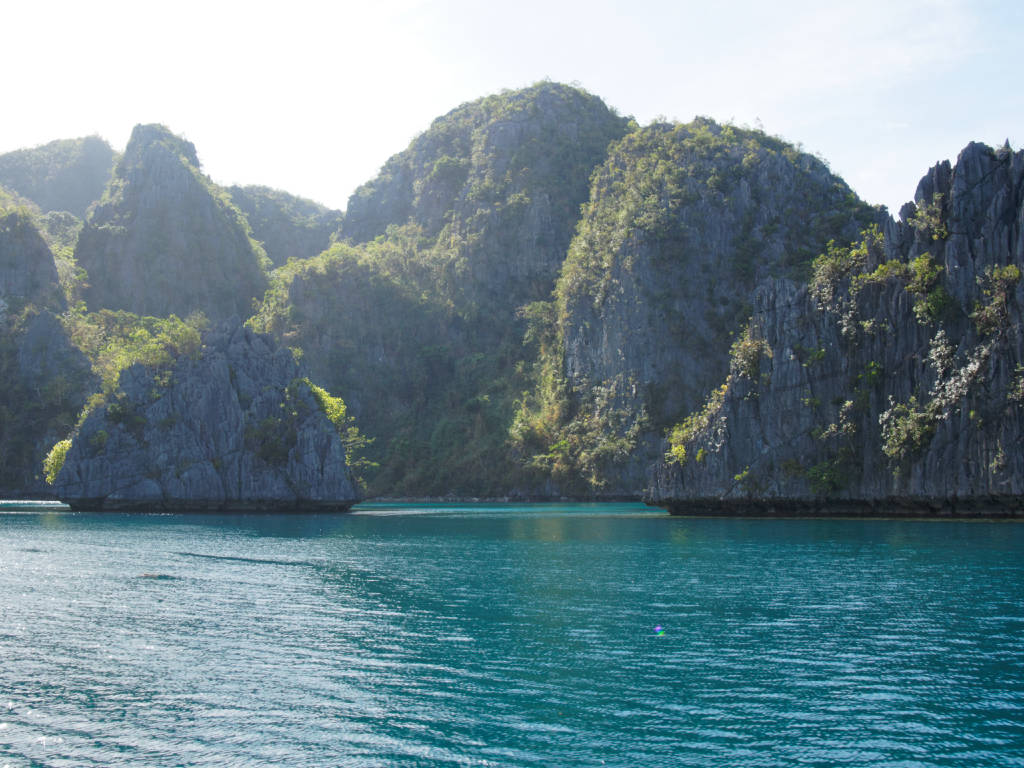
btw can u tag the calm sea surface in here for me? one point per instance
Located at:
(579, 635)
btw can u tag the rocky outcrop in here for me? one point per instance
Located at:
(232, 425)
(893, 382)
(28, 273)
(289, 227)
(678, 256)
(46, 382)
(165, 240)
(682, 222)
(66, 175)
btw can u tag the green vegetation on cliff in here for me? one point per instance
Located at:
(540, 297)
(45, 379)
(494, 187)
(45, 385)
(894, 374)
(410, 369)
(115, 339)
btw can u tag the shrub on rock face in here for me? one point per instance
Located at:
(55, 460)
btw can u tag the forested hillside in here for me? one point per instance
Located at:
(415, 315)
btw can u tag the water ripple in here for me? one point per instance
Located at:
(513, 638)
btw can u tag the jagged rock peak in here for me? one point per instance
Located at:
(232, 424)
(166, 240)
(979, 170)
(145, 137)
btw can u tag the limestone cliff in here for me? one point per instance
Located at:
(682, 222)
(165, 240)
(232, 424)
(534, 292)
(894, 379)
(28, 272)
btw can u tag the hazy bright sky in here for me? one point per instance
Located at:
(313, 97)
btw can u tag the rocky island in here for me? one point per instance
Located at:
(232, 424)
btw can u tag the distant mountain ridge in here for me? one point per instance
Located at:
(66, 175)
(288, 227)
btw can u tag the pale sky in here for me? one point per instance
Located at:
(312, 97)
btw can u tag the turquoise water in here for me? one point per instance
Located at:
(508, 636)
